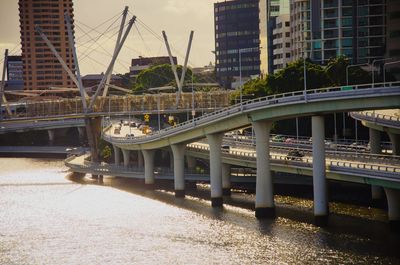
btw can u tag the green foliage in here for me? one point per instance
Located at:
(105, 151)
(158, 76)
(291, 78)
(336, 71)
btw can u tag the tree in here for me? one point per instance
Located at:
(336, 71)
(291, 78)
(158, 76)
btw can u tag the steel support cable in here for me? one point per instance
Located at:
(144, 42)
(161, 40)
(97, 39)
(104, 53)
(117, 16)
(111, 38)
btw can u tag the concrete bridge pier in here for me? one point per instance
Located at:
(393, 200)
(395, 139)
(126, 154)
(117, 155)
(52, 136)
(178, 151)
(321, 207)
(171, 159)
(215, 143)
(81, 132)
(191, 162)
(148, 156)
(140, 159)
(265, 205)
(226, 179)
(375, 145)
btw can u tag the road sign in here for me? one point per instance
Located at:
(146, 117)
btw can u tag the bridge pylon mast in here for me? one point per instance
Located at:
(179, 82)
(121, 29)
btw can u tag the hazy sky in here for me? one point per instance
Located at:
(176, 17)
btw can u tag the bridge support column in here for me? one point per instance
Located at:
(171, 159)
(81, 132)
(265, 205)
(126, 154)
(148, 156)
(117, 155)
(393, 199)
(375, 145)
(395, 139)
(215, 143)
(178, 151)
(191, 162)
(140, 159)
(226, 179)
(321, 207)
(52, 135)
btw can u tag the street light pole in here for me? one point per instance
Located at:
(384, 70)
(347, 71)
(372, 67)
(240, 74)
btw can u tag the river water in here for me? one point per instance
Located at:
(47, 217)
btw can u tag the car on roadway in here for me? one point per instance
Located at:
(278, 138)
(295, 154)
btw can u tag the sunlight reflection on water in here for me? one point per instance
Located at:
(48, 219)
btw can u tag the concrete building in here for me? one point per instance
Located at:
(325, 29)
(15, 80)
(269, 10)
(281, 48)
(95, 79)
(393, 36)
(142, 63)
(236, 37)
(41, 69)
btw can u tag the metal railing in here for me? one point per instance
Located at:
(321, 94)
(384, 119)
(362, 168)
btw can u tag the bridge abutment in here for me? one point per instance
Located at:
(226, 179)
(375, 145)
(148, 156)
(393, 200)
(178, 151)
(321, 207)
(215, 143)
(265, 205)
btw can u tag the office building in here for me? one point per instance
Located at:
(41, 69)
(269, 11)
(236, 37)
(321, 30)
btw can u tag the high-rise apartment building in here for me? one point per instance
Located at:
(393, 29)
(269, 10)
(281, 44)
(324, 29)
(236, 35)
(41, 69)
